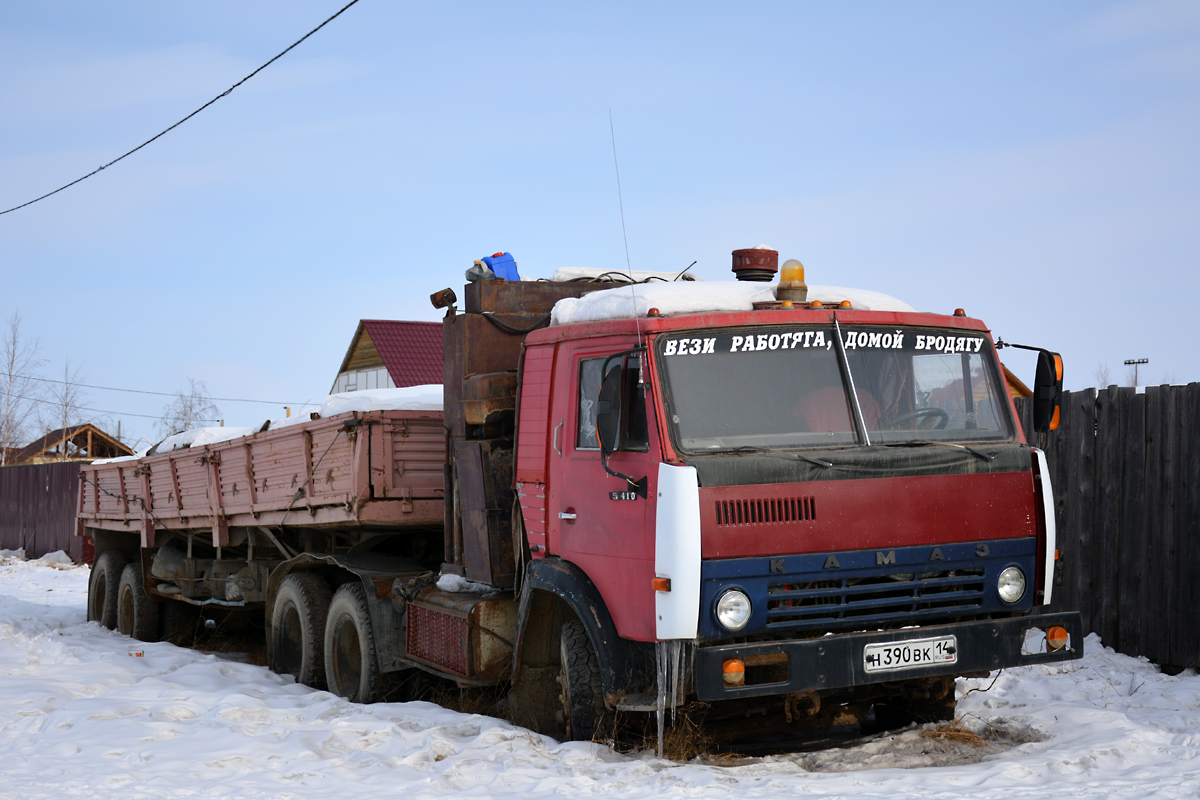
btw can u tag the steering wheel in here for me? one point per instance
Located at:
(940, 417)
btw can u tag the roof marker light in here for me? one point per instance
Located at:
(816, 304)
(846, 304)
(654, 312)
(791, 282)
(958, 312)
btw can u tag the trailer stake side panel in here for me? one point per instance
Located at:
(378, 468)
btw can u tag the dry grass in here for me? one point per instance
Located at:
(685, 739)
(957, 732)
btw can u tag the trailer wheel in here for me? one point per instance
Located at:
(582, 687)
(351, 669)
(137, 614)
(298, 628)
(102, 588)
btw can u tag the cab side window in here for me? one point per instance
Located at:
(589, 392)
(633, 416)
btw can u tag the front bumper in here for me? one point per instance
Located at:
(836, 661)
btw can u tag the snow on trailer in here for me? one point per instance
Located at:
(377, 460)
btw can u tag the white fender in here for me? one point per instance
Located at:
(1051, 529)
(677, 552)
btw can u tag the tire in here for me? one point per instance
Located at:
(584, 714)
(137, 614)
(351, 668)
(298, 628)
(103, 586)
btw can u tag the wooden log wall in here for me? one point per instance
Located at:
(1126, 474)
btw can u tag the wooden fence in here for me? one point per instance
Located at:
(1126, 474)
(37, 509)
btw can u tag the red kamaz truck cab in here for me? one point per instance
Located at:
(828, 506)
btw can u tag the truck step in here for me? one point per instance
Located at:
(643, 701)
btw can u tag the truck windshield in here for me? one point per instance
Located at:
(788, 387)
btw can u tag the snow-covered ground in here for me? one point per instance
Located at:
(82, 715)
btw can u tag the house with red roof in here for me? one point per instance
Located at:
(387, 354)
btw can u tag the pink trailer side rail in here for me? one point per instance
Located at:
(374, 468)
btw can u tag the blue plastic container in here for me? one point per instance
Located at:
(504, 265)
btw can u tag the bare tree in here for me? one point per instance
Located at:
(63, 404)
(190, 406)
(18, 383)
(1101, 374)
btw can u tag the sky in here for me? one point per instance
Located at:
(1035, 164)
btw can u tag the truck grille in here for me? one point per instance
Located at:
(437, 638)
(908, 596)
(766, 511)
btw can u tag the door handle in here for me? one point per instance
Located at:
(570, 516)
(554, 438)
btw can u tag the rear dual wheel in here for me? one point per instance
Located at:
(351, 666)
(103, 586)
(298, 628)
(137, 614)
(325, 639)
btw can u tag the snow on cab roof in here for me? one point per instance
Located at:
(407, 398)
(702, 297)
(593, 274)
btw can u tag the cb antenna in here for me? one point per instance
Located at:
(632, 283)
(620, 201)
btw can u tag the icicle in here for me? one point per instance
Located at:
(660, 658)
(671, 665)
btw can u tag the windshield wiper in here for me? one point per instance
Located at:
(749, 449)
(929, 443)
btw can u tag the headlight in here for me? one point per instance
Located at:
(1011, 585)
(733, 610)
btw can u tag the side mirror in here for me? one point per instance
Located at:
(608, 411)
(1047, 392)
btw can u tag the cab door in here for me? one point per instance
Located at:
(600, 522)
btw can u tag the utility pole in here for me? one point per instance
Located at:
(1134, 362)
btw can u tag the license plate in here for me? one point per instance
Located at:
(893, 656)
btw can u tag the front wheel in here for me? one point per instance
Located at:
(137, 614)
(298, 628)
(584, 713)
(103, 586)
(351, 668)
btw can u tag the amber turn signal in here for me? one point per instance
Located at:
(661, 584)
(733, 672)
(1056, 638)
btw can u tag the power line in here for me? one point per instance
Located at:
(96, 410)
(185, 119)
(159, 394)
